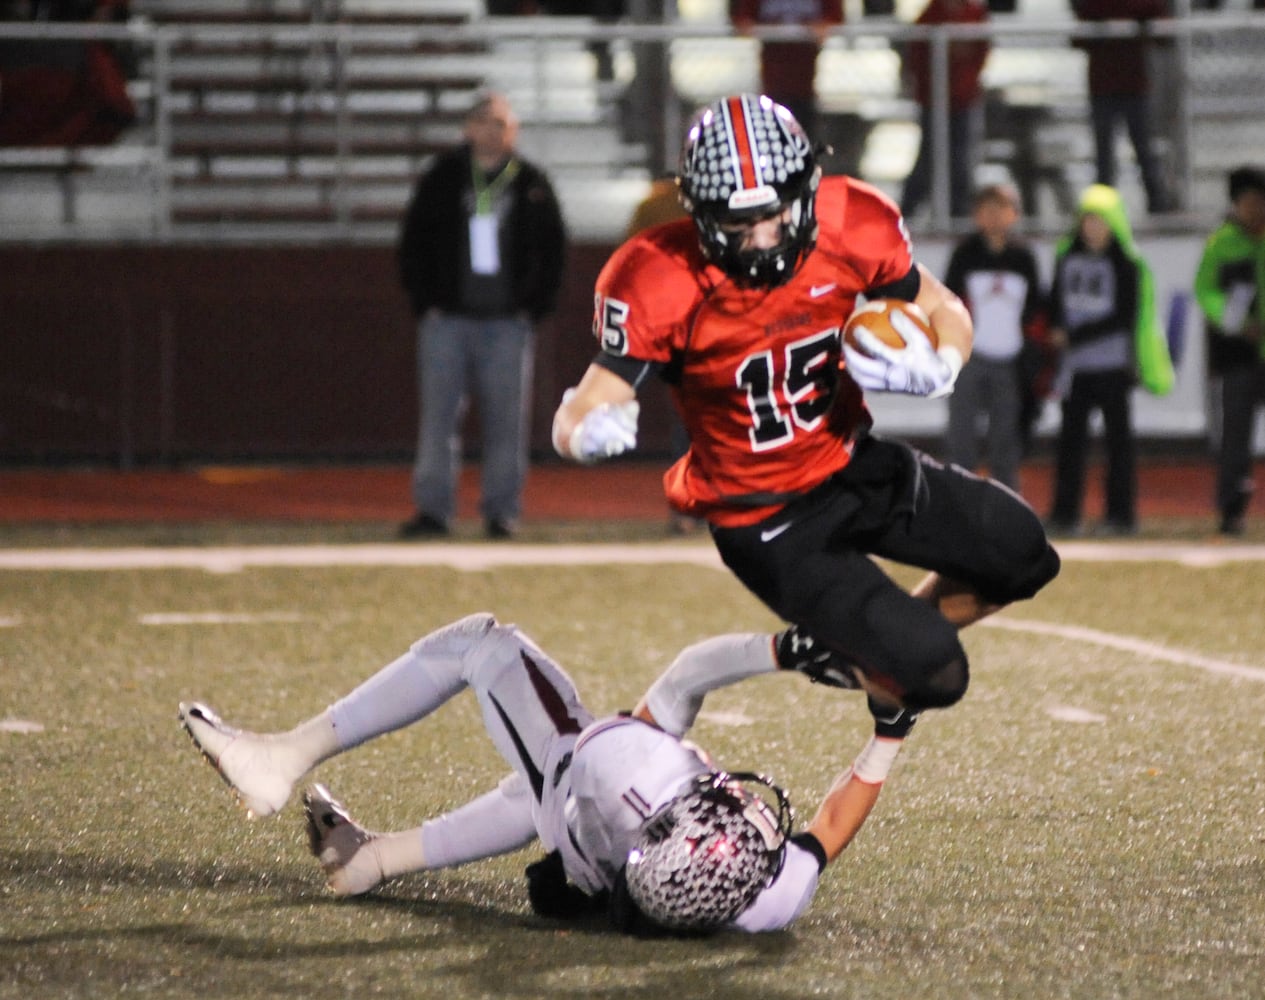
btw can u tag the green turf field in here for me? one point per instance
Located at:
(1088, 822)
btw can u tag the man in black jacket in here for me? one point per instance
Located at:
(481, 255)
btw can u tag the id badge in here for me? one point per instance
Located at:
(1237, 305)
(485, 254)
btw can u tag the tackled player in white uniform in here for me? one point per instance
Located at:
(634, 819)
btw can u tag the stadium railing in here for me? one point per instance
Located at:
(284, 128)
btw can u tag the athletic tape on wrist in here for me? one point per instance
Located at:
(561, 445)
(953, 358)
(875, 761)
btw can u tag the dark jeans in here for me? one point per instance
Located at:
(1109, 392)
(492, 358)
(1242, 391)
(989, 388)
(965, 129)
(810, 563)
(1135, 113)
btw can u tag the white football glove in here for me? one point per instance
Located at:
(917, 368)
(607, 430)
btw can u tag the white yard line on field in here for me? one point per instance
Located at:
(460, 557)
(1185, 554)
(24, 726)
(472, 558)
(231, 559)
(220, 618)
(1126, 644)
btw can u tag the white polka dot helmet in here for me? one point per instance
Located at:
(704, 857)
(746, 158)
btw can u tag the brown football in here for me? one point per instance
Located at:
(876, 316)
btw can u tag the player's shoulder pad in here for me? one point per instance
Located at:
(657, 271)
(861, 225)
(844, 203)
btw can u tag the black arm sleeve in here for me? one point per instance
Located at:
(905, 288)
(813, 846)
(634, 371)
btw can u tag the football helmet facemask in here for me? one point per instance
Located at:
(704, 857)
(746, 158)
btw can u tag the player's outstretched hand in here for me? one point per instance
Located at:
(917, 369)
(551, 895)
(607, 430)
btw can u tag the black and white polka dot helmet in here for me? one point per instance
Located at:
(704, 857)
(745, 158)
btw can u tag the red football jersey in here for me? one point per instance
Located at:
(754, 372)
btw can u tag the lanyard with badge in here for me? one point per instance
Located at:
(485, 254)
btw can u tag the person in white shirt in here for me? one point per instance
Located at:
(634, 819)
(995, 273)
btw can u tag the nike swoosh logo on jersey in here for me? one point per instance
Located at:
(771, 533)
(817, 291)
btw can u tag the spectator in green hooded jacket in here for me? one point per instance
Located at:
(1103, 319)
(1230, 290)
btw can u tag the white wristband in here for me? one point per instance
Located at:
(560, 444)
(575, 444)
(875, 762)
(952, 357)
(607, 430)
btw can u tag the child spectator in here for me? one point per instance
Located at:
(1228, 288)
(1102, 315)
(995, 274)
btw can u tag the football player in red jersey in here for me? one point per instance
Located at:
(740, 308)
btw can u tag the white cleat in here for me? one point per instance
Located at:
(347, 852)
(246, 761)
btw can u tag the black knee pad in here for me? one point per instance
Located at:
(931, 670)
(1040, 571)
(942, 688)
(1016, 554)
(1021, 573)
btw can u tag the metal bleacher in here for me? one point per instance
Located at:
(302, 119)
(281, 125)
(292, 127)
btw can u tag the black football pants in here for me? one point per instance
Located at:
(810, 563)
